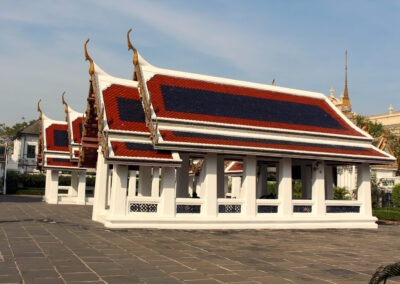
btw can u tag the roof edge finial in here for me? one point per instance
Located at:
(88, 58)
(130, 47)
(64, 102)
(39, 109)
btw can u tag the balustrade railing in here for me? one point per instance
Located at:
(143, 204)
(343, 206)
(228, 205)
(267, 205)
(302, 206)
(188, 205)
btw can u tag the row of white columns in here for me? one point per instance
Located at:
(211, 186)
(77, 188)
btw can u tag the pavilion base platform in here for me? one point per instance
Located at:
(190, 223)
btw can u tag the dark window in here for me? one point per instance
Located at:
(60, 138)
(31, 151)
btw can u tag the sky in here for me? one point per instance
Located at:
(300, 44)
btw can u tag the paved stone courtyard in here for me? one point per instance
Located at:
(41, 243)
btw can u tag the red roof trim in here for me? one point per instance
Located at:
(77, 130)
(154, 88)
(55, 162)
(50, 137)
(120, 149)
(169, 136)
(111, 106)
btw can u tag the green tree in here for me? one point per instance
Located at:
(7, 133)
(396, 195)
(374, 128)
(376, 192)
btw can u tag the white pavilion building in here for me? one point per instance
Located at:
(146, 135)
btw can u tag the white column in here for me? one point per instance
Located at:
(119, 191)
(81, 198)
(168, 195)
(53, 197)
(73, 190)
(220, 176)
(285, 186)
(200, 181)
(226, 185)
(155, 183)
(318, 188)
(249, 185)
(262, 181)
(236, 185)
(329, 182)
(182, 177)
(191, 188)
(100, 187)
(144, 181)
(132, 183)
(209, 185)
(109, 186)
(47, 186)
(364, 189)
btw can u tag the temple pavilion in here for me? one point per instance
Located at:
(59, 147)
(164, 142)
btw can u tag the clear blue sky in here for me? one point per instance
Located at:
(299, 43)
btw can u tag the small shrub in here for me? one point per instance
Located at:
(64, 180)
(90, 180)
(396, 195)
(297, 189)
(341, 193)
(387, 214)
(12, 182)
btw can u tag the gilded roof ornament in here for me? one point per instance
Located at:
(39, 109)
(64, 102)
(273, 82)
(130, 47)
(88, 58)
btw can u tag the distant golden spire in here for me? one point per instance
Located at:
(331, 91)
(346, 106)
(273, 82)
(390, 109)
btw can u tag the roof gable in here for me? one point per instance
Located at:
(181, 98)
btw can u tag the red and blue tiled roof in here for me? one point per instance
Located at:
(124, 109)
(189, 99)
(57, 138)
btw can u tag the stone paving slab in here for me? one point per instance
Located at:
(41, 243)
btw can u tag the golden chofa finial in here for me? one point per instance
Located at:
(130, 47)
(64, 102)
(39, 109)
(88, 58)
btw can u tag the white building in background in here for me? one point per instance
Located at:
(23, 158)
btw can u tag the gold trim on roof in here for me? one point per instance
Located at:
(39, 109)
(146, 99)
(64, 102)
(131, 47)
(88, 58)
